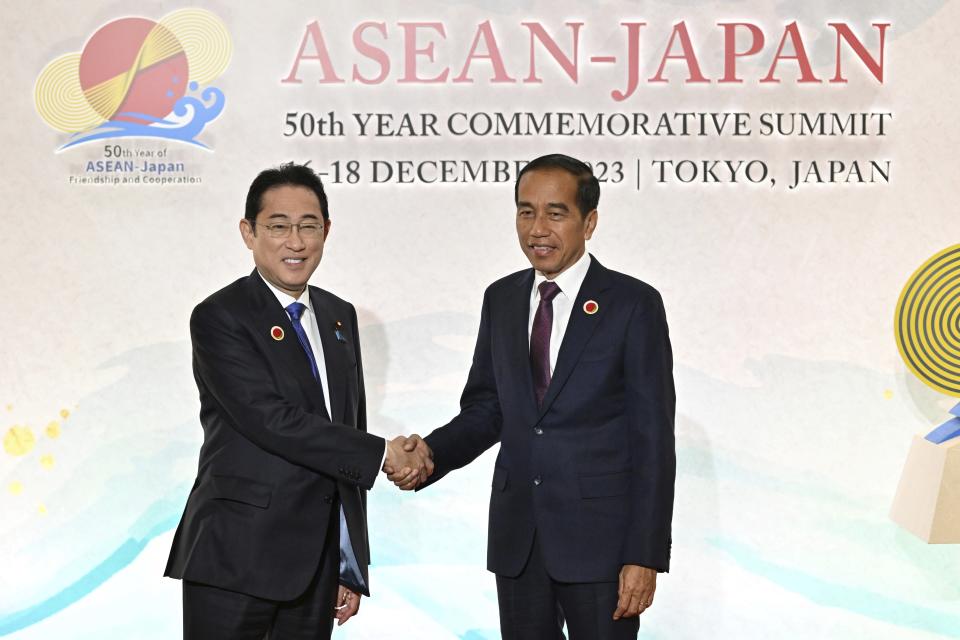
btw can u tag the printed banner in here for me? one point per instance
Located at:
(780, 172)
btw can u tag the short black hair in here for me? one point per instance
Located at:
(588, 187)
(291, 173)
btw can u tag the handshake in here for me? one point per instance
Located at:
(409, 462)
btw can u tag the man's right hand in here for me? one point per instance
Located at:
(409, 462)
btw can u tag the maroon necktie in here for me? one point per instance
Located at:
(540, 339)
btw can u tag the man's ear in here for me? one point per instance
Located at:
(247, 231)
(591, 224)
(326, 228)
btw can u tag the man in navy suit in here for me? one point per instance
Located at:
(273, 539)
(572, 375)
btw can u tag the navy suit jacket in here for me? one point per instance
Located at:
(592, 470)
(272, 462)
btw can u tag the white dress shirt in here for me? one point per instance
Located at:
(569, 282)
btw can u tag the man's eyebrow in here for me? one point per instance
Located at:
(550, 205)
(277, 215)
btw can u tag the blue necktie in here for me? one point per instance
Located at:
(296, 309)
(348, 561)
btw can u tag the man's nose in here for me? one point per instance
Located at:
(539, 227)
(295, 240)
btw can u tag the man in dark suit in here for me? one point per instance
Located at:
(572, 375)
(273, 539)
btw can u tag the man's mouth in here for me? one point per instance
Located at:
(293, 260)
(541, 250)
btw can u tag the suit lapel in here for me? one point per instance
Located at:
(517, 321)
(268, 314)
(596, 286)
(333, 355)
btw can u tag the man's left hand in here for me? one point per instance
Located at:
(637, 585)
(348, 602)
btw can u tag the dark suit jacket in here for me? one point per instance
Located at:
(272, 461)
(592, 470)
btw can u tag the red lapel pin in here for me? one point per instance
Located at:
(590, 307)
(276, 333)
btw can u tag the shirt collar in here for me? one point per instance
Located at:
(285, 299)
(569, 281)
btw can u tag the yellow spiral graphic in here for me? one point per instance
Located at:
(59, 98)
(927, 322)
(204, 39)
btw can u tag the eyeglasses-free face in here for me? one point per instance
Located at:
(553, 232)
(289, 246)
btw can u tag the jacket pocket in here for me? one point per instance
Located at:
(499, 478)
(242, 490)
(605, 486)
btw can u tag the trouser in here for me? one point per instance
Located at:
(211, 613)
(534, 606)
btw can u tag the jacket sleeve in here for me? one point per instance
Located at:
(650, 405)
(229, 367)
(477, 427)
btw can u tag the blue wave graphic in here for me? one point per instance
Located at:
(831, 594)
(119, 559)
(144, 497)
(192, 115)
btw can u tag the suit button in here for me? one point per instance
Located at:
(538, 431)
(328, 499)
(537, 481)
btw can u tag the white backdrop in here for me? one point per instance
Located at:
(795, 411)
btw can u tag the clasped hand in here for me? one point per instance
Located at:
(409, 462)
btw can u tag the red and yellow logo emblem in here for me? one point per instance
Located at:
(133, 70)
